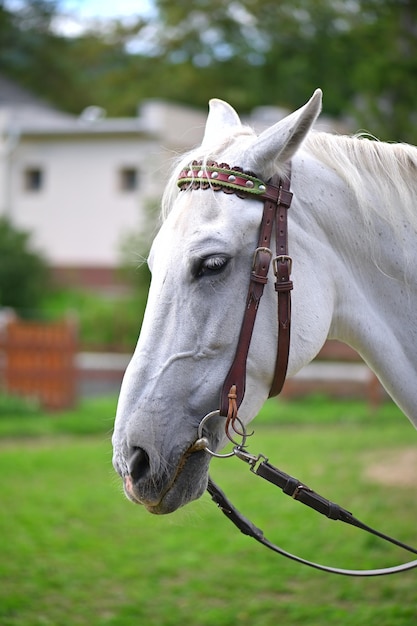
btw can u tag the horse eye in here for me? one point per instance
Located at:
(211, 265)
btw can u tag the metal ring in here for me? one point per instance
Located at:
(206, 448)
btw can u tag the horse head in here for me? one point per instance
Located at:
(200, 262)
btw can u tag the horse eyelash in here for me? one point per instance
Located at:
(211, 265)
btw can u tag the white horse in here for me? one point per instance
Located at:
(353, 240)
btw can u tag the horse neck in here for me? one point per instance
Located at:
(365, 272)
(365, 232)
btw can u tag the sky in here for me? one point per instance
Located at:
(77, 13)
(85, 9)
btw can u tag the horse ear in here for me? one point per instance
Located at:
(280, 142)
(221, 119)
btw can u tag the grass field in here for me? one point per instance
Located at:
(74, 551)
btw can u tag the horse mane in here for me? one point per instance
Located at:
(385, 173)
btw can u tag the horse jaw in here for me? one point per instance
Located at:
(278, 144)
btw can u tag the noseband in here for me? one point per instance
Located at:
(276, 196)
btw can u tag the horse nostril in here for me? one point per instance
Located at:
(138, 464)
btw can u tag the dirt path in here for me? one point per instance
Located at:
(398, 469)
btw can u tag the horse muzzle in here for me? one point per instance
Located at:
(165, 491)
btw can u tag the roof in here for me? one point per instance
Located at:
(23, 113)
(12, 94)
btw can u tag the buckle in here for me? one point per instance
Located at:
(282, 258)
(255, 256)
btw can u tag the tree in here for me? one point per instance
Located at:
(24, 275)
(384, 75)
(362, 53)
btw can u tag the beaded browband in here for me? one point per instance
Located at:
(199, 175)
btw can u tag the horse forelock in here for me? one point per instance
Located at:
(215, 152)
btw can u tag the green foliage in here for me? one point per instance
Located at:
(255, 52)
(17, 406)
(387, 61)
(104, 323)
(111, 324)
(24, 276)
(34, 55)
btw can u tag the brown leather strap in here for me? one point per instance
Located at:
(283, 286)
(248, 528)
(258, 278)
(277, 199)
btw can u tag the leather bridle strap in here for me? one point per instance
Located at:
(283, 286)
(277, 200)
(276, 197)
(292, 487)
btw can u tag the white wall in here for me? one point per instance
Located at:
(81, 214)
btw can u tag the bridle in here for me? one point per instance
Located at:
(276, 197)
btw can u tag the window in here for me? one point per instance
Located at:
(33, 179)
(129, 179)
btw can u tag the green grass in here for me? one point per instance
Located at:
(74, 551)
(19, 418)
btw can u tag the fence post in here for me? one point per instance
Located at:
(39, 361)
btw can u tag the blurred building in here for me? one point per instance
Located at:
(80, 184)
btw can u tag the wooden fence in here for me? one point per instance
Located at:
(39, 361)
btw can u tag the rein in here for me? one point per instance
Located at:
(276, 196)
(292, 487)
